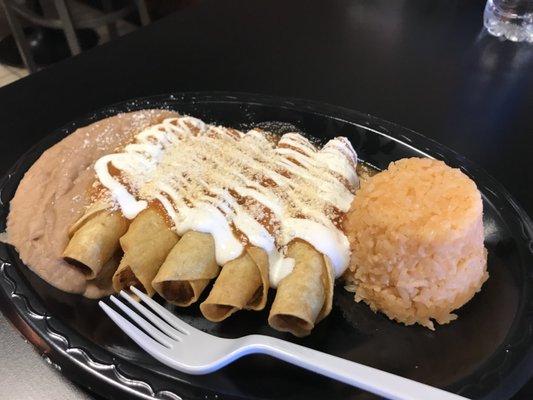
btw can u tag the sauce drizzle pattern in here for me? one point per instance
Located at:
(267, 189)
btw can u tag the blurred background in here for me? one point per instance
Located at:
(47, 31)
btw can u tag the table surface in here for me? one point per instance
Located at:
(428, 66)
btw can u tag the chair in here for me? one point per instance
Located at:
(66, 21)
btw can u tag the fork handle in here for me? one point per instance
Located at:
(367, 378)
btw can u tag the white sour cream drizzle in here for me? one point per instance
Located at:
(214, 180)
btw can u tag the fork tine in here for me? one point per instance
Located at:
(158, 322)
(165, 314)
(146, 326)
(142, 339)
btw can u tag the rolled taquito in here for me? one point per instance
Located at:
(95, 238)
(146, 244)
(188, 269)
(304, 296)
(242, 284)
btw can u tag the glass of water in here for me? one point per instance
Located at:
(511, 19)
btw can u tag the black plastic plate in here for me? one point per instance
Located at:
(486, 354)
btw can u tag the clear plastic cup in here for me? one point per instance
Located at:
(510, 19)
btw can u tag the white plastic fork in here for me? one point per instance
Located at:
(187, 349)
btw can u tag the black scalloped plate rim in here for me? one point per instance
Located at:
(511, 365)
